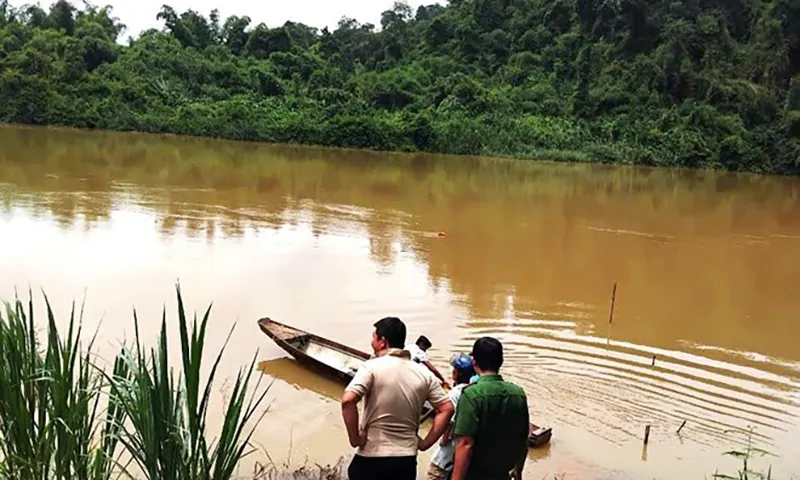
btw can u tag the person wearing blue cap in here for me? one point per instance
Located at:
(442, 463)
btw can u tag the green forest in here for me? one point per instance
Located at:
(689, 83)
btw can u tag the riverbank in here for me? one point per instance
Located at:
(470, 78)
(150, 425)
(531, 137)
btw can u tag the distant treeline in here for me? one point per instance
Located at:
(697, 83)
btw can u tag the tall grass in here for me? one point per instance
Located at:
(166, 435)
(746, 454)
(49, 398)
(51, 391)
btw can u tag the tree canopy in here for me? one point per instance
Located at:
(695, 83)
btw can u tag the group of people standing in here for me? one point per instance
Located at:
(481, 424)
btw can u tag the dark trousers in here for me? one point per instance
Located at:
(382, 468)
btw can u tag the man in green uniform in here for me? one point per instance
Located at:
(492, 425)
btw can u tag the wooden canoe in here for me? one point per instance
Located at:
(332, 359)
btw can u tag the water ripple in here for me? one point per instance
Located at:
(612, 388)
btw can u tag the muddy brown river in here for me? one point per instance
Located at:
(707, 268)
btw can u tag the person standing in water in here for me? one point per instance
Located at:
(394, 389)
(492, 424)
(442, 463)
(419, 353)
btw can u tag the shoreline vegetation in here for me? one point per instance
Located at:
(63, 415)
(711, 85)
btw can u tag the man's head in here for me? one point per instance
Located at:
(487, 355)
(423, 343)
(390, 332)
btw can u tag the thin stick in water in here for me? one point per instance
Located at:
(613, 300)
(646, 434)
(654, 361)
(611, 313)
(681, 427)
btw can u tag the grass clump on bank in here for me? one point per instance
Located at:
(62, 416)
(49, 399)
(337, 471)
(747, 453)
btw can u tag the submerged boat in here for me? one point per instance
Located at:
(539, 436)
(332, 359)
(340, 362)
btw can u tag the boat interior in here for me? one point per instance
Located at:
(326, 354)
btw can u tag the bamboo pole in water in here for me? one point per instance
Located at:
(613, 300)
(646, 434)
(681, 427)
(611, 313)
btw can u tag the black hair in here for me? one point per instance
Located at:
(464, 375)
(488, 354)
(423, 342)
(393, 330)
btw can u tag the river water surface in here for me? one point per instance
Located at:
(707, 267)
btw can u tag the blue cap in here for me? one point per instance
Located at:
(461, 361)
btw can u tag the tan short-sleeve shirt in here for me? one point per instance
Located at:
(394, 390)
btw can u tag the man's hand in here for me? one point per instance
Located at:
(423, 445)
(516, 474)
(444, 411)
(435, 371)
(359, 440)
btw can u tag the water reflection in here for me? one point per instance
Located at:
(706, 265)
(300, 377)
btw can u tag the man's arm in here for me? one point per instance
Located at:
(523, 455)
(358, 388)
(462, 458)
(523, 447)
(447, 435)
(517, 474)
(350, 416)
(435, 371)
(444, 411)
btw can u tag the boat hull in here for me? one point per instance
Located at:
(294, 340)
(286, 337)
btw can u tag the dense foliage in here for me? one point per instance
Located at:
(698, 83)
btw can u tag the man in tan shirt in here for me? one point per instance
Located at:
(394, 389)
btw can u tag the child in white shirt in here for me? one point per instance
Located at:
(419, 353)
(442, 463)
